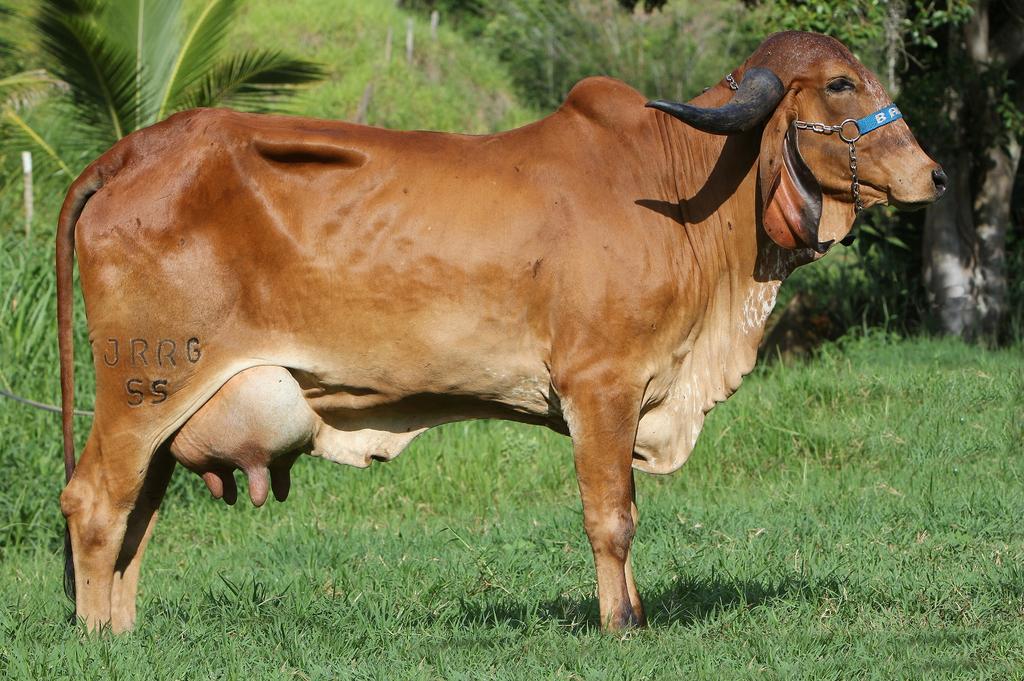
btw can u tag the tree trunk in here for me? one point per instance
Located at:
(894, 17)
(992, 219)
(965, 233)
(949, 223)
(948, 262)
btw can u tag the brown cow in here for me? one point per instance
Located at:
(260, 286)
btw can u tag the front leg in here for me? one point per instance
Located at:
(634, 594)
(602, 421)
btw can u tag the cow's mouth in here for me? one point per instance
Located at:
(911, 205)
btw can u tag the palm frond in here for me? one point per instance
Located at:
(252, 80)
(200, 48)
(19, 133)
(101, 75)
(5, 43)
(28, 88)
(150, 31)
(15, 27)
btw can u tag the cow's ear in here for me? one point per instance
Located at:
(790, 194)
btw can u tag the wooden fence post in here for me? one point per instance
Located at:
(26, 169)
(408, 40)
(364, 104)
(435, 19)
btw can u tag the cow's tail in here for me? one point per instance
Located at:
(87, 184)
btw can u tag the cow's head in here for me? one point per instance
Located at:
(808, 77)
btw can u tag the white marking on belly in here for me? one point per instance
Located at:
(529, 395)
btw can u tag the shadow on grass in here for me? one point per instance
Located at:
(685, 601)
(693, 600)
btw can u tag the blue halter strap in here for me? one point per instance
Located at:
(874, 121)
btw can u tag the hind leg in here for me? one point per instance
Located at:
(141, 522)
(98, 503)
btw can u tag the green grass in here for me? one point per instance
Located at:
(857, 516)
(451, 84)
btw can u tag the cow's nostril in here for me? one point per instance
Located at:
(940, 179)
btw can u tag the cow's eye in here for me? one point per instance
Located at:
(839, 85)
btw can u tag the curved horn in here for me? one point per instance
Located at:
(758, 95)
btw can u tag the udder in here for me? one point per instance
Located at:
(259, 423)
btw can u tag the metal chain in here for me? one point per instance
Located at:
(819, 128)
(731, 81)
(823, 129)
(855, 181)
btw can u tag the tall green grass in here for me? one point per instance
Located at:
(451, 84)
(671, 53)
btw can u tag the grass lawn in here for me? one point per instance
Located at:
(857, 516)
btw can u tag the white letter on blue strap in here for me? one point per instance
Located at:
(883, 116)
